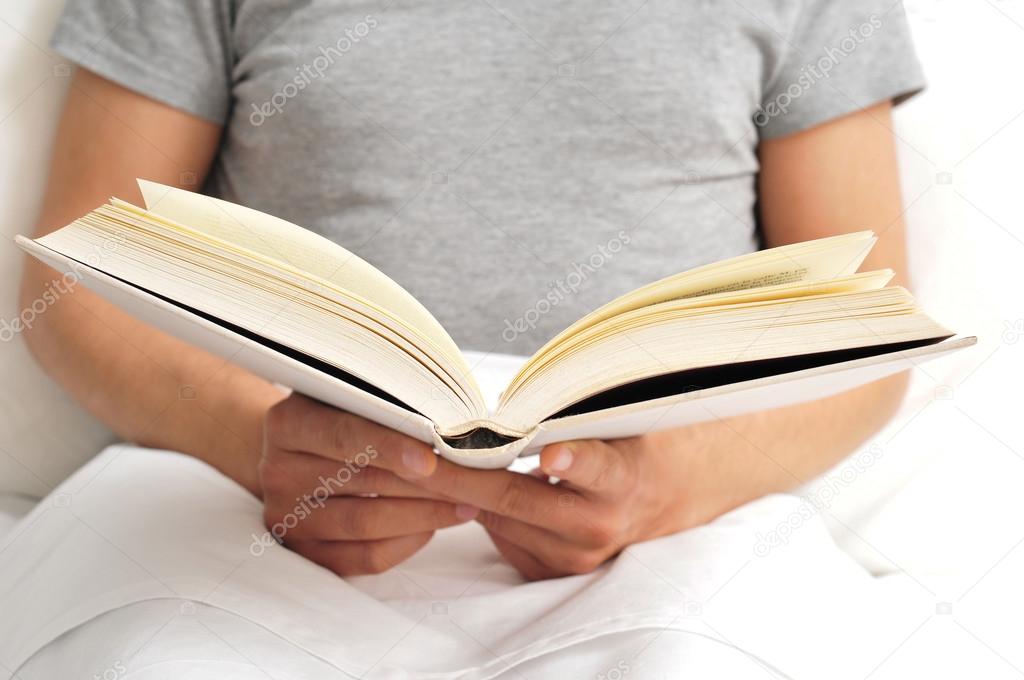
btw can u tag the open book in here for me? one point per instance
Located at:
(753, 332)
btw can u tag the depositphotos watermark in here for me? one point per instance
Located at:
(817, 71)
(112, 672)
(307, 504)
(562, 288)
(825, 492)
(1013, 331)
(311, 72)
(55, 290)
(617, 672)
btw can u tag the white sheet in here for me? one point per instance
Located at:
(12, 508)
(137, 527)
(179, 639)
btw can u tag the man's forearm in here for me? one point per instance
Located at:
(731, 461)
(148, 387)
(145, 385)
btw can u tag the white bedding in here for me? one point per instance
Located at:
(12, 508)
(142, 562)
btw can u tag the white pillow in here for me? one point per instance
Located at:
(44, 435)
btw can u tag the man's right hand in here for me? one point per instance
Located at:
(338, 489)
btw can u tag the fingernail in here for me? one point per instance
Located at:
(466, 512)
(416, 461)
(562, 461)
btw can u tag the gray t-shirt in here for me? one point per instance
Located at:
(513, 164)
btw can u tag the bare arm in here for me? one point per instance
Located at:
(147, 386)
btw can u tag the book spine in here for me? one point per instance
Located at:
(482, 448)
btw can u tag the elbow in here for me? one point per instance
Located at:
(27, 294)
(34, 301)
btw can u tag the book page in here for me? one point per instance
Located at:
(623, 323)
(672, 341)
(304, 251)
(819, 260)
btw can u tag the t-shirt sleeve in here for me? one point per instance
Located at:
(175, 52)
(839, 57)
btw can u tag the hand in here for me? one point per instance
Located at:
(336, 488)
(610, 495)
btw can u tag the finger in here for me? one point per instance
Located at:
(352, 558)
(350, 518)
(306, 476)
(559, 553)
(591, 466)
(511, 494)
(526, 564)
(299, 423)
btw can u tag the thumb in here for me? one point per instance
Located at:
(589, 465)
